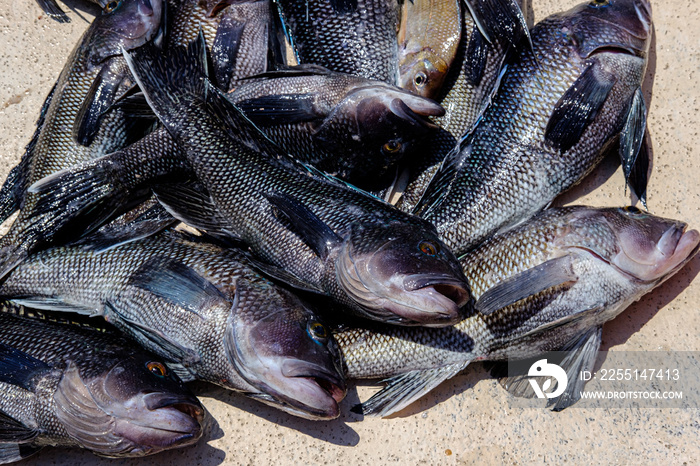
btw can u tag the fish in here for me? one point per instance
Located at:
(468, 88)
(548, 284)
(92, 193)
(554, 115)
(316, 232)
(94, 75)
(429, 34)
(51, 8)
(348, 36)
(238, 32)
(69, 386)
(350, 127)
(202, 308)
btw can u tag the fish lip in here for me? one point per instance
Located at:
(185, 404)
(402, 110)
(325, 381)
(319, 375)
(454, 289)
(625, 49)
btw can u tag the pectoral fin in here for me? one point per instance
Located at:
(578, 107)
(100, 97)
(19, 368)
(319, 236)
(554, 272)
(634, 153)
(176, 283)
(159, 342)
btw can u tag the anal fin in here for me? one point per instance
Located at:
(404, 389)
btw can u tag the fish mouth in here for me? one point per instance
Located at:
(673, 250)
(435, 298)
(625, 49)
(186, 405)
(321, 390)
(171, 421)
(408, 107)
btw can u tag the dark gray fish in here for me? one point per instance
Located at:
(555, 113)
(54, 11)
(348, 36)
(91, 193)
(63, 385)
(93, 77)
(348, 126)
(548, 284)
(202, 308)
(322, 235)
(237, 32)
(467, 91)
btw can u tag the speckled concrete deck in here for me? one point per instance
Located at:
(468, 419)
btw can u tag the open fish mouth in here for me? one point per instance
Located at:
(452, 289)
(432, 301)
(318, 390)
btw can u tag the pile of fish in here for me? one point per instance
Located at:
(214, 180)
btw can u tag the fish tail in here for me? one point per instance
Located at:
(92, 191)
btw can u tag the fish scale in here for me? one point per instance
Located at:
(507, 168)
(190, 302)
(597, 289)
(358, 38)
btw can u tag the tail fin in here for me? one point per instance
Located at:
(94, 186)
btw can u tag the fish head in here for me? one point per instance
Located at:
(640, 245)
(130, 406)
(402, 274)
(377, 122)
(283, 350)
(619, 26)
(124, 24)
(650, 247)
(422, 73)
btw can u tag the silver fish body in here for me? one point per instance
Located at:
(72, 127)
(555, 112)
(541, 286)
(348, 36)
(347, 126)
(62, 385)
(324, 235)
(203, 308)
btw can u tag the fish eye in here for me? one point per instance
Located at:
(599, 3)
(111, 6)
(429, 248)
(317, 331)
(420, 79)
(157, 369)
(631, 210)
(391, 147)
